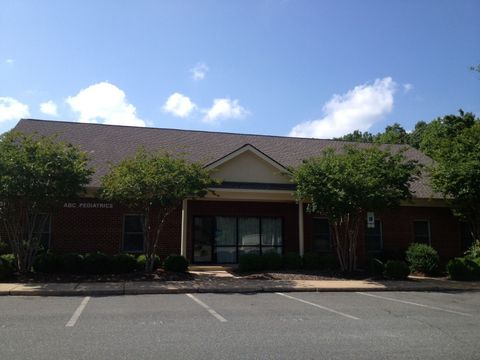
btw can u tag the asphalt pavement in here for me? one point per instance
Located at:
(305, 325)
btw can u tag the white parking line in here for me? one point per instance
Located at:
(319, 306)
(416, 304)
(77, 312)
(209, 309)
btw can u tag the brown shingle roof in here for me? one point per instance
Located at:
(110, 144)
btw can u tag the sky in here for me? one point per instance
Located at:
(313, 68)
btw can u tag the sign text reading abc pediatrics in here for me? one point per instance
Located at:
(88, 205)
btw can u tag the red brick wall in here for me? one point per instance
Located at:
(87, 230)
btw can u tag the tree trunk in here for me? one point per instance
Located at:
(346, 229)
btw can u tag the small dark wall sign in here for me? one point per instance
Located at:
(88, 205)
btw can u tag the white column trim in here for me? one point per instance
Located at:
(301, 235)
(183, 235)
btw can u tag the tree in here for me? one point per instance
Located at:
(358, 136)
(156, 184)
(37, 174)
(344, 186)
(438, 132)
(394, 134)
(456, 174)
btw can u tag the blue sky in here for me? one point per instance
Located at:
(304, 68)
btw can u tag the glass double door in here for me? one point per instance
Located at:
(222, 239)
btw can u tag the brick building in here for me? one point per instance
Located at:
(253, 210)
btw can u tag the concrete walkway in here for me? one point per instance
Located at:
(230, 285)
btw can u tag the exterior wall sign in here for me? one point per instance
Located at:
(88, 205)
(370, 219)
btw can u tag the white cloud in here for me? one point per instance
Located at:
(12, 109)
(179, 105)
(358, 109)
(407, 87)
(224, 109)
(199, 71)
(104, 103)
(49, 108)
(9, 61)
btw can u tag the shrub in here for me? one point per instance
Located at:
(292, 261)
(422, 258)
(396, 269)
(474, 251)
(6, 266)
(250, 262)
(47, 262)
(271, 261)
(4, 248)
(328, 262)
(376, 266)
(464, 269)
(141, 261)
(123, 263)
(97, 263)
(71, 263)
(175, 263)
(311, 261)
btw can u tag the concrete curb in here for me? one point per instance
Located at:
(122, 289)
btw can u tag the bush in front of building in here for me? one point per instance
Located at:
(123, 263)
(97, 263)
(142, 259)
(7, 267)
(376, 266)
(71, 263)
(250, 262)
(176, 263)
(271, 260)
(292, 261)
(464, 269)
(423, 258)
(396, 270)
(311, 261)
(47, 262)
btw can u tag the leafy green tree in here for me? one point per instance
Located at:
(344, 186)
(394, 134)
(456, 174)
(416, 136)
(156, 184)
(36, 175)
(358, 136)
(436, 135)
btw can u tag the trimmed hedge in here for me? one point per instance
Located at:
(176, 263)
(123, 263)
(71, 263)
(316, 261)
(47, 262)
(250, 262)
(142, 260)
(97, 263)
(396, 269)
(423, 258)
(272, 261)
(464, 269)
(292, 261)
(7, 267)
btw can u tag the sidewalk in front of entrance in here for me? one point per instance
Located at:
(230, 285)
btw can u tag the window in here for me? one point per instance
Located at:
(133, 233)
(421, 231)
(321, 235)
(223, 239)
(44, 233)
(373, 237)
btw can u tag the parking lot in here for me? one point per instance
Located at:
(362, 325)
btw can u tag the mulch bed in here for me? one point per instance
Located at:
(304, 275)
(157, 275)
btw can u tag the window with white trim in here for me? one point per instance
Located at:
(133, 240)
(421, 231)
